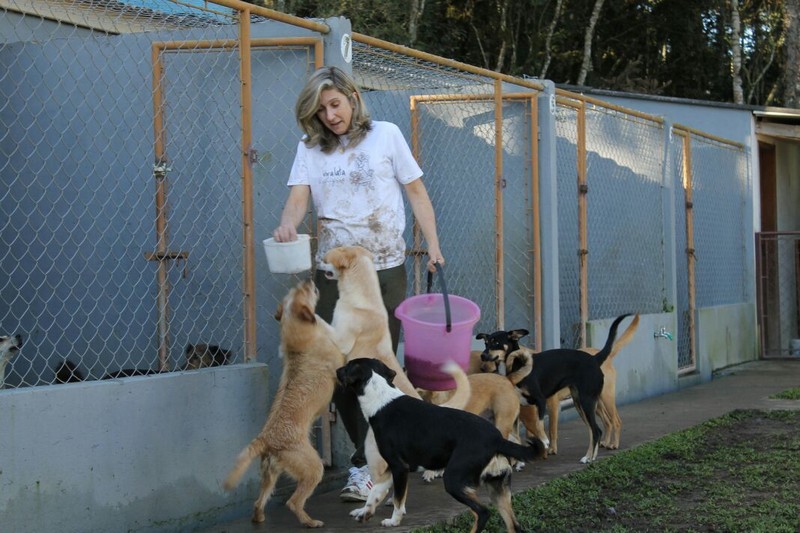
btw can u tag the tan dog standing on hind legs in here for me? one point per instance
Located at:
(310, 360)
(360, 319)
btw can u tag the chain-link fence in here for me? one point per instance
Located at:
(130, 209)
(711, 180)
(611, 222)
(145, 155)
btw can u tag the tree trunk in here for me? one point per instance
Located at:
(587, 42)
(791, 72)
(549, 40)
(502, 15)
(736, 53)
(417, 9)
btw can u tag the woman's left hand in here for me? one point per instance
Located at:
(434, 256)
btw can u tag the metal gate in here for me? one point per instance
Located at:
(778, 292)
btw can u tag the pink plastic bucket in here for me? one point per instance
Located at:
(429, 344)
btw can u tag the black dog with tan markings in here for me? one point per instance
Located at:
(411, 433)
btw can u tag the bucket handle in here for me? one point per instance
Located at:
(442, 282)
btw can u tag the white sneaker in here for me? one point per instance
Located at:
(358, 485)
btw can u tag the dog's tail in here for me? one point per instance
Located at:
(519, 364)
(603, 354)
(463, 389)
(625, 338)
(534, 450)
(242, 463)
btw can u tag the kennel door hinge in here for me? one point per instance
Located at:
(160, 170)
(252, 156)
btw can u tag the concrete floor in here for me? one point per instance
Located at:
(746, 386)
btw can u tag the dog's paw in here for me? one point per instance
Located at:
(362, 514)
(519, 465)
(430, 475)
(391, 522)
(585, 460)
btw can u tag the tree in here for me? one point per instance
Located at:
(736, 53)
(587, 42)
(791, 71)
(549, 39)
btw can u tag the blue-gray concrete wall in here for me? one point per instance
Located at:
(143, 453)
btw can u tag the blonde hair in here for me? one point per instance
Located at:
(308, 105)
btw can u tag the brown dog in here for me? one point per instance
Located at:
(606, 405)
(310, 360)
(490, 394)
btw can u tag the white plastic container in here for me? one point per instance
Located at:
(288, 257)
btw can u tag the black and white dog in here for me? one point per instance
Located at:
(410, 433)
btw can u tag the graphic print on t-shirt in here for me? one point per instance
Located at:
(361, 174)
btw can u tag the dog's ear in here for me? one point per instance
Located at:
(189, 348)
(390, 375)
(302, 311)
(517, 334)
(480, 336)
(334, 257)
(279, 312)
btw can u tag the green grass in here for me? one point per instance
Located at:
(739, 472)
(788, 394)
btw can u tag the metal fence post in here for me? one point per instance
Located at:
(548, 191)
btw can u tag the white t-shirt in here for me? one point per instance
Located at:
(357, 193)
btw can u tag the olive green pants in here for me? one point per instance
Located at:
(393, 284)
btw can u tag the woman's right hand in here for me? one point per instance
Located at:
(285, 233)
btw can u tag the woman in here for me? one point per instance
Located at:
(355, 169)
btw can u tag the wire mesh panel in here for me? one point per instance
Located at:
(278, 75)
(778, 262)
(720, 187)
(625, 215)
(456, 182)
(568, 242)
(682, 304)
(201, 126)
(520, 217)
